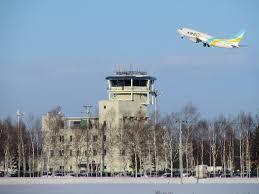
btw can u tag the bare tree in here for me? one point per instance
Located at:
(190, 115)
(135, 130)
(32, 132)
(171, 135)
(245, 130)
(201, 136)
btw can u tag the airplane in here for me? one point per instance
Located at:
(208, 40)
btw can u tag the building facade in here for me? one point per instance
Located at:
(94, 144)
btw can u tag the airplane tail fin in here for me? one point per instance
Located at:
(237, 38)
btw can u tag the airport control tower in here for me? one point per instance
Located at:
(131, 86)
(130, 93)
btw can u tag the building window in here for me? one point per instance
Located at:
(78, 153)
(61, 168)
(71, 152)
(86, 153)
(61, 152)
(104, 106)
(61, 138)
(53, 139)
(94, 152)
(127, 82)
(94, 138)
(122, 152)
(141, 83)
(104, 137)
(70, 138)
(71, 168)
(51, 153)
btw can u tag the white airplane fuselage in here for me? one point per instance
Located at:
(208, 40)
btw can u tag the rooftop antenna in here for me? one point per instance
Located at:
(87, 111)
(131, 67)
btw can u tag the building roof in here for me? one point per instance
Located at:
(123, 77)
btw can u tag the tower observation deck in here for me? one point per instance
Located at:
(135, 86)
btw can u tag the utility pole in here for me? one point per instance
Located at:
(87, 113)
(240, 155)
(224, 154)
(180, 151)
(202, 151)
(156, 94)
(19, 115)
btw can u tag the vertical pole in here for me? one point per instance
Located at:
(202, 151)
(19, 115)
(155, 123)
(87, 115)
(19, 149)
(155, 110)
(224, 155)
(180, 153)
(131, 85)
(109, 89)
(240, 155)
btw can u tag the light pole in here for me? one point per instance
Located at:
(87, 114)
(180, 150)
(19, 115)
(156, 94)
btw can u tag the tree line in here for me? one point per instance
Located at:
(153, 145)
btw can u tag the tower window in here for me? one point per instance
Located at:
(104, 107)
(127, 83)
(114, 83)
(137, 82)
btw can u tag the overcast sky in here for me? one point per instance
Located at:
(59, 52)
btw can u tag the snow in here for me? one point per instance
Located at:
(126, 185)
(122, 180)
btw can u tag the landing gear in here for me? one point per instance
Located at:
(206, 45)
(181, 37)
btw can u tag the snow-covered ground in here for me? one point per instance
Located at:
(123, 180)
(119, 185)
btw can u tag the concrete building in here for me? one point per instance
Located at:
(92, 144)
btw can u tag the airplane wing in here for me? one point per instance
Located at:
(205, 38)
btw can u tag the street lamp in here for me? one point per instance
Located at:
(180, 150)
(19, 115)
